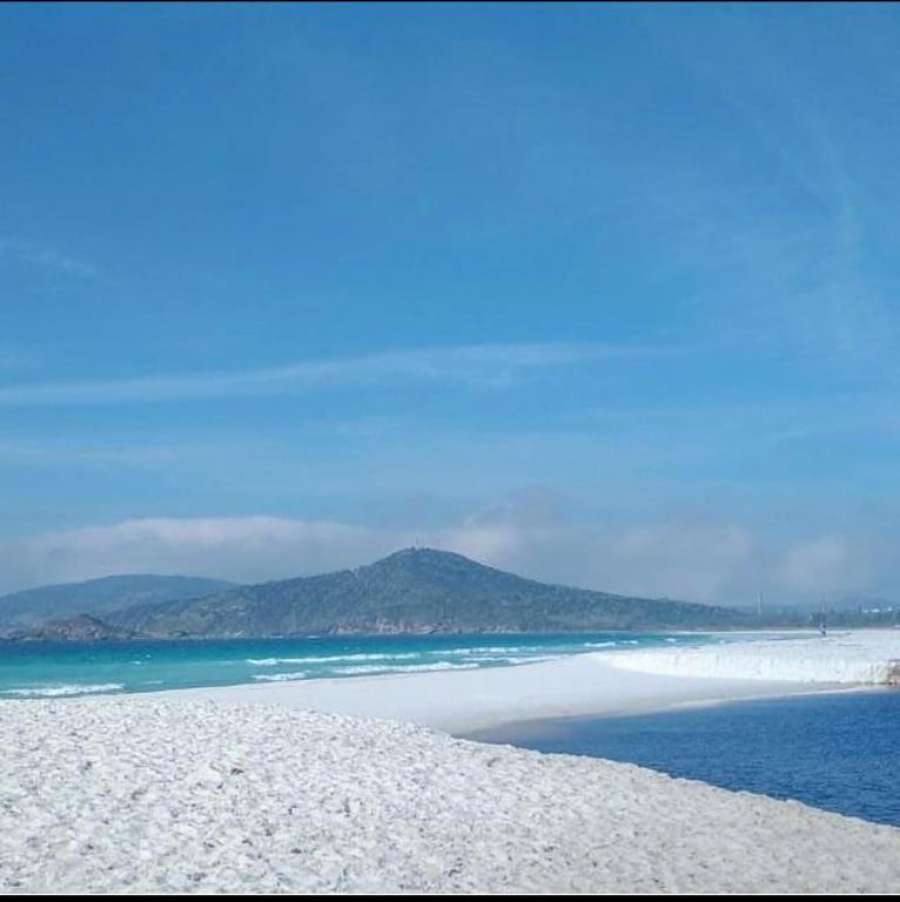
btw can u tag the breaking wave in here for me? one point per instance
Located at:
(280, 677)
(65, 689)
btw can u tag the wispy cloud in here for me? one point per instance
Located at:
(766, 420)
(53, 453)
(490, 365)
(46, 257)
(788, 261)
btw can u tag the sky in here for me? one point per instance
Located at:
(600, 294)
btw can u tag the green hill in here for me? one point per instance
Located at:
(99, 597)
(415, 591)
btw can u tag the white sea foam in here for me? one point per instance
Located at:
(280, 677)
(390, 665)
(387, 668)
(327, 659)
(63, 690)
(502, 660)
(871, 656)
(490, 649)
(408, 656)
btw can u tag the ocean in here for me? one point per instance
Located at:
(836, 751)
(59, 669)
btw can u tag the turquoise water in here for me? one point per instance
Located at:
(58, 669)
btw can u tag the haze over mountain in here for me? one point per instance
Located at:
(413, 591)
(99, 597)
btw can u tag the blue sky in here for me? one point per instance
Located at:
(603, 294)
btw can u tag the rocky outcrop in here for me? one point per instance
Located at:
(82, 628)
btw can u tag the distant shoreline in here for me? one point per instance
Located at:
(385, 635)
(718, 631)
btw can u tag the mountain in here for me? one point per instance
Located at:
(99, 597)
(414, 591)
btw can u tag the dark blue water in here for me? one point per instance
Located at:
(838, 752)
(58, 669)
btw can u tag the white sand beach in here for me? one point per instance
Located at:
(250, 789)
(596, 683)
(140, 795)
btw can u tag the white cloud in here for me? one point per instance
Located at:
(822, 565)
(483, 365)
(696, 560)
(701, 561)
(246, 549)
